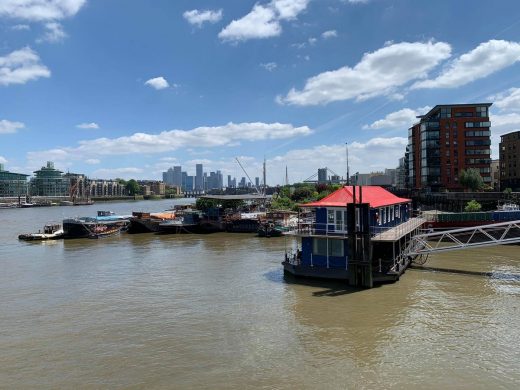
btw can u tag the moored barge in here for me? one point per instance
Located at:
(84, 227)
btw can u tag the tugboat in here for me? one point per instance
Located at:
(83, 227)
(50, 232)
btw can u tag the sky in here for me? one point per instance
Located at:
(119, 88)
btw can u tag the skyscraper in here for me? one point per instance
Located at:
(168, 177)
(199, 177)
(177, 175)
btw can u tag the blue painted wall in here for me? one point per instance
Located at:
(321, 261)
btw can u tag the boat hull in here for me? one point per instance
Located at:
(82, 229)
(180, 229)
(138, 225)
(315, 272)
(41, 236)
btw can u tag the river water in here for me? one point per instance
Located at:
(214, 311)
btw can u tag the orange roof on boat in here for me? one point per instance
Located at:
(169, 215)
(376, 196)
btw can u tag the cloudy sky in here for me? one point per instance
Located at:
(118, 88)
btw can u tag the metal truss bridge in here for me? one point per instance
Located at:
(421, 246)
(464, 238)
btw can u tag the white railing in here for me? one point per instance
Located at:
(312, 228)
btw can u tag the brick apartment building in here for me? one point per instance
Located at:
(509, 151)
(448, 139)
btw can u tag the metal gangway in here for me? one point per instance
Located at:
(464, 238)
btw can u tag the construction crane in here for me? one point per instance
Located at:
(245, 172)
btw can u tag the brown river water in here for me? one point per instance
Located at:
(214, 311)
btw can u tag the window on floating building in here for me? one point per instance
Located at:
(334, 248)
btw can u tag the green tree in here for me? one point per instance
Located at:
(473, 206)
(132, 187)
(205, 204)
(282, 203)
(302, 193)
(471, 179)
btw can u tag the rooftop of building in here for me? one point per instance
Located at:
(439, 106)
(376, 196)
(511, 135)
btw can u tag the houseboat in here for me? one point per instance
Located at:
(356, 234)
(84, 227)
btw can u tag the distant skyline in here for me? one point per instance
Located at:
(130, 88)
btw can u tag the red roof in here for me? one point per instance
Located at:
(375, 195)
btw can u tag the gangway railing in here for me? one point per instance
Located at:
(464, 238)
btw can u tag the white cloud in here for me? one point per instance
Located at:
(402, 119)
(378, 73)
(198, 17)
(289, 9)
(299, 45)
(505, 123)
(54, 33)
(502, 124)
(3, 160)
(7, 127)
(329, 34)
(373, 155)
(158, 83)
(21, 27)
(91, 125)
(263, 21)
(270, 66)
(166, 141)
(507, 100)
(169, 159)
(40, 10)
(123, 173)
(487, 58)
(312, 41)
(92, 161)
(21, 66)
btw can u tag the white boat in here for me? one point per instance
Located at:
(50, 232)
(508, 207)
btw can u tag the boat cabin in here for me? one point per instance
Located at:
(51, 228)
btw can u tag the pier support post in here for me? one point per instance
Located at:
(360, 257)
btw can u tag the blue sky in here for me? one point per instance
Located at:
(119, 88)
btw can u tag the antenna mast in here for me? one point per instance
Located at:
(264, 178)
(348, 170)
